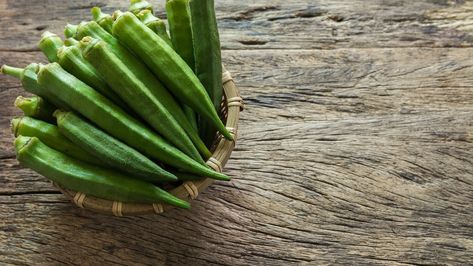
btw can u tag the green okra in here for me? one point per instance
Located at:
(113, 120)
(50, 135)
(140, 70)
(70, 42)
(207, 56)
(104, 20)
(49, 44)
(168, 66)
(35, 107)
(155, 24)
(29, 81)
(70, 58)
(180, 28)
(89, 179)
(138, 5)
(139, 97)
(111, 151)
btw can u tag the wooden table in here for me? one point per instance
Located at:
(355, 146)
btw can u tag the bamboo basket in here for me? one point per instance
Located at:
(232, 105)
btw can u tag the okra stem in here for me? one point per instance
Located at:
(155, 24)
(35, 107)
(11, 71)
(138, 5)
(29, 81)
(104, 20)
(70, 30)
(49, 44)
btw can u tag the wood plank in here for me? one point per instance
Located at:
(301, 24)
(344, 156)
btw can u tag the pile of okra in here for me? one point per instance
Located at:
(123, 107)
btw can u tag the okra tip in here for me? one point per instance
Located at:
(15, 123)
(11, 71)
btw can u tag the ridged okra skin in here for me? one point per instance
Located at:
(49, 44)
(155, 24)
(36, 107)
(110, 150)
(50, 135)
(113, 120)
(180, 29)
(207, 55)
(141, 72)
(70, 58)
(91, 180)
(168, 66)
(139, 97)
(104, 20)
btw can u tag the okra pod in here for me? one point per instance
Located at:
(29, 81)
(49, 44)
(168, 66)
(138, 5)
(104, 20)
(140, 70)
(91, 180)
(113, 152)
(208, 62)
(36, 107)
(113, 120)
(155, 24)
(70, 58)
(139, 97)
(50, 135)
(180, 29)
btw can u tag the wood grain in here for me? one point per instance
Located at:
(354, 148)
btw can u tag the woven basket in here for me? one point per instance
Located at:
(231, 107)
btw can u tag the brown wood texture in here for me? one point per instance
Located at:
(356, 145)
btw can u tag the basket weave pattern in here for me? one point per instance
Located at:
(231, 107)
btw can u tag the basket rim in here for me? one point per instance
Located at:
(188, 190)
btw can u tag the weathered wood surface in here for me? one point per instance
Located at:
(356, 145)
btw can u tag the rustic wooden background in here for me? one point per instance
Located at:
(355, 146)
